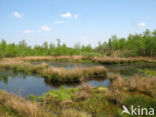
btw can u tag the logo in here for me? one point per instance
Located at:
(137, 110)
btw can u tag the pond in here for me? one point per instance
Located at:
(24, 85)
(131, 69)
(123, 69)
(67, 65)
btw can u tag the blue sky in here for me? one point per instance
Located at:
(84, 21)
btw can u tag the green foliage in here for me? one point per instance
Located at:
(143, 101)
(32, 97)
(135, 45)
(61, 94)
(97, 102)
(148, 72)
(4, 110)
(22, 49)
(139, 100)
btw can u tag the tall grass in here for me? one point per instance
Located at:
(137, 83)
(100, 60)
(22, 107)
(51, 74)
(146, 85)
(86, 101)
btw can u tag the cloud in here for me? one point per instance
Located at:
(141, 24)
(59, 22)
(28, 31)
(17, 14)
(76, 16)
(85, 40)
(39, 31)
(66, 15)
(44, 28)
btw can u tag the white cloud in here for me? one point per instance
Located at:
(45, 28)
(39, 31)
(76, 16)
(68, 14)
(17, 14)
(141, 24)
(28, 31)
(85, 40)
(59, 22)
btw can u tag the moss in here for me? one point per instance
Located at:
(61, 94)
(142, 100)
(147, 72)
(7, 112)
(32, 97)
(96, 102)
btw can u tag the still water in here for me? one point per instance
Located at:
(24, 85)
(67, 65)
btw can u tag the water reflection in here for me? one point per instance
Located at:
(24, 85)
(130, 69)
(67, 65)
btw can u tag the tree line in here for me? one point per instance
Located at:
(143, 44)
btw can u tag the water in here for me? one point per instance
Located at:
(25, 85)
(67, 65)
(131, 69)
(97, 83)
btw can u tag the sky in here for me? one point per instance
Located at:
(73, 21)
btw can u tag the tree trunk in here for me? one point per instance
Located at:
(151, 53)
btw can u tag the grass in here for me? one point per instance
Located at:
(6, 112)
(61, 75)
(85, 101)
(60, 95)
(13, 105)
(100, 60)
(57, 75)
(73, 113)
(93, 102)
(146, 85)
(142, 101)
(137, 83)
(76, 75)
(148, 72)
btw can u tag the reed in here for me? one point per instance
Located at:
(146, 85)
(75, 75)
(74, 113)
(22, 107)
(86, 101)
(51, 74)
(100, 60)
(137, 83)
(118, 60)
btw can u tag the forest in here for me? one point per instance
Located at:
(143, 44)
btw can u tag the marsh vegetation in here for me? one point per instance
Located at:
(130, 82)
(82, 82)
(84, 101)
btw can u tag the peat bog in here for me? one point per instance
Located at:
(80, 88)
